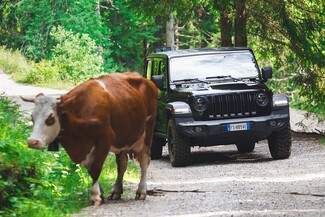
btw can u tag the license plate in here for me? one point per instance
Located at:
(238, 127)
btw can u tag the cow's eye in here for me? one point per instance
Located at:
(50, 120)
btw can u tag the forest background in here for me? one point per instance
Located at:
(73, 40)
(61, 43)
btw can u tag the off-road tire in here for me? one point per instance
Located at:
(245, 147)
(280, 143)
(157, 147)
(179, 148)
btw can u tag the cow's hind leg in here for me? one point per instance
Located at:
(121, 160)
(144, 160)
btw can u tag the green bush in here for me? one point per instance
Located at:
(43, 72)
(76, 55)
(35, 183)
(13, 62)
(42, 183)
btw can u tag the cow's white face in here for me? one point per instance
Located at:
(46, 126)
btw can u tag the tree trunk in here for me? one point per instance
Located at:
(225, 22)
(240, 24)
(177, 43)
(170, 33)
(158, 34)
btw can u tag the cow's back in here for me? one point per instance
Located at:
(134, 100)
(115, 107)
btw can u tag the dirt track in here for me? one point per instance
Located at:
(221, 182)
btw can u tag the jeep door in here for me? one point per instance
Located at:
(158, 66)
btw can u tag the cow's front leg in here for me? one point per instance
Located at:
(121, 160)
(96, 190)
(94, 168)
(144, 160)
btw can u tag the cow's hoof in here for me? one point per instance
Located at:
(140, 196)
(97, 203)
(115, 196)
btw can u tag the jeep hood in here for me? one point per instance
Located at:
(218, 88)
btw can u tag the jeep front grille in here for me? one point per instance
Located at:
(232, 105)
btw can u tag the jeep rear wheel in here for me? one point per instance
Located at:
(157, 147)
(280, 143)
(245, 147)
(179, 148)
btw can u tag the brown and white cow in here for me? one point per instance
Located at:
(114, 113)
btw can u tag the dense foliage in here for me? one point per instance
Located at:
(285, 34)
(41, 183)
(35, 183)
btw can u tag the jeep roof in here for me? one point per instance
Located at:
(189, 52)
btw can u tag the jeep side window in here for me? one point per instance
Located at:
(156, 67)
(163, 72)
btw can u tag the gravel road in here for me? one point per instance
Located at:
(220, 182)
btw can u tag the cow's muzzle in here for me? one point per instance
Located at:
(34, 143)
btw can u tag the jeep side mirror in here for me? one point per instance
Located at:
(158, 80)
(266, 73)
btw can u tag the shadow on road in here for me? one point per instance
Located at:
(218, 157)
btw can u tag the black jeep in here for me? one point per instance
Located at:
(215, 97)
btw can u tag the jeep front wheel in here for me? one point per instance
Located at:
(280, 143)
(179, 148)
(157, 147)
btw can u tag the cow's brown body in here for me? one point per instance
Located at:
(111, 113)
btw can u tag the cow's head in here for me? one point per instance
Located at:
(46, 125)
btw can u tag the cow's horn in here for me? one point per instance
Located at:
(40, 94)
(27, 99)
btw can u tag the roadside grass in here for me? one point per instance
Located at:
(22, 70)
(14, 63)
(42, 183)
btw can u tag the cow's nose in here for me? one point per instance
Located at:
(32, 143)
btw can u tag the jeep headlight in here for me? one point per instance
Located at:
(200, 104)
(262, 99)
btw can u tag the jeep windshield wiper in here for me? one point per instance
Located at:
(229, 77)
(191, 80)
(222, 77)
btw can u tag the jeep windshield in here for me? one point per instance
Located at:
(237, 65)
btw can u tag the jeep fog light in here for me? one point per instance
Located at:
(262, 99)
(200, 104)
(198, 129)
(273, 123)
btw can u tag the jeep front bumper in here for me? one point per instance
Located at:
(217, 131)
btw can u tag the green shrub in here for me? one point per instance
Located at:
(35, 183)
(42, 183)
(13, 62)
(43, 72)
(76, 55)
